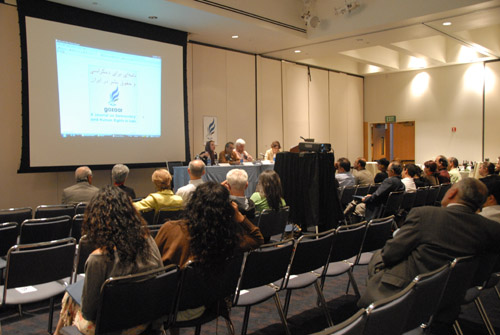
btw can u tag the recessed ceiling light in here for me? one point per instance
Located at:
(297, 51)
(447, 23)
(234, 36)
(152, 17)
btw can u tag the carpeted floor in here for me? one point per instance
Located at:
(304, 316)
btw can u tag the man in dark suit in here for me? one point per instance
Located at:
(83, 190)
(431, 237)
(119, 175)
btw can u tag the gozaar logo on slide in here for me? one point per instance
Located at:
(113, 97)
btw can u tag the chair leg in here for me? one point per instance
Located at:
(354, 284)
(20, 309)
(321, 297)
(229, 325)
(457, 329)
(280, 312)
(197, 330)
(245, 320)
(288, 296)
(51, 315)
(498, 292)
(484, 316)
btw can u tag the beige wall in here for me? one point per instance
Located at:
(436, 99)
(492, 111)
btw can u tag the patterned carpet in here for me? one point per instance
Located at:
(304, 316)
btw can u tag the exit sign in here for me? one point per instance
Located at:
(390, 118)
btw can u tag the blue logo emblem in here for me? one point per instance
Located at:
(211, 127)
(113, 97)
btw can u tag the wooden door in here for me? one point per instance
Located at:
(380, 141)
(404, 141)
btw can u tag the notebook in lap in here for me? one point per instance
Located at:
(75, 291)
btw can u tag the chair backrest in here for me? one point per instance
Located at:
(346, 195)
(421, 196)
(352, 326)
(265, 265)
(347, 241)
(33, 264)
(378, 231)
(153, 229)
(199, 289)
(16, 215)
(312, 252)
(373, 188)
(133, 300)
(8, 236)
(432, 195)
(168, 214)
(45, 229)
(76, 226)
(84, 249)
(80, 208)
(362, 190)
(272, 222)
(388, 316)
(148, 215)
(393, 203)
(442, 191)
(51, 211)
(408, 200)
(429, 288)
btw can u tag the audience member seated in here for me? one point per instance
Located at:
(382, 165)
(240, 152)
(442, 166)
(361, 175)
(453, 170)
(228, 155)
(212, 230)
(430, 172)
(372, 204)
(268, 194)
(119, 175)
(83, 190)
(419, 179)
(487, 171)
(124, 247)
(209, 153)
(409, 172)
(491, 207)
(431, 237)
(271, 153)
(163, 197)
(237, 182)
(343, 174)
(196, 170)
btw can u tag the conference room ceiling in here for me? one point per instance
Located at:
(379, 36)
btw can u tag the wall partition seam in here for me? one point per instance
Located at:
(282, 106)
(484, 110)
(257, 149)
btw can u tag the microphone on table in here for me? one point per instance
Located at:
(262, 155)
(302, 138)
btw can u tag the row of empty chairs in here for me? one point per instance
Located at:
(43, 211)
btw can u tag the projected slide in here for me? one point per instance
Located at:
(107, 93)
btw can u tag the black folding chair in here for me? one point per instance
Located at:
(16, 215)
(76, 226)
(134, 300)
(209, 290)
(45, 266)
(312, 252)
(80, 208)
(83, 251)
(8, 238)
(352, 326)
(148, 215)
(432, 195)
(421, 196)
(362, 190)
(45, 229)
(442, 191)
(392, 204)
(273, 222)
(169, 214)
(346, 195)
(153, 230)
(373, 188)
(264, 273)
(50, 211)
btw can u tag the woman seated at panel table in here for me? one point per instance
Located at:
(163, 197)
(124, 247)
(209, 153)
(271, 153)
(268, 194)
(212, 230)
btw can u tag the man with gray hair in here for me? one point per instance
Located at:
(83, 190)
(429, 238)
(119, 174)
(239, 150)
(237, 182)
(196, 170)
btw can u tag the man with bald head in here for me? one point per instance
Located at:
(196, 170)
(430, 238)
(83, 190)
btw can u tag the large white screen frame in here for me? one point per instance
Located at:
(49, 148)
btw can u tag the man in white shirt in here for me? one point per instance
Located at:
(196, 170)
(344, 175)
(491, 208)
(408, 172)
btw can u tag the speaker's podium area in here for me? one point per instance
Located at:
(307, 175)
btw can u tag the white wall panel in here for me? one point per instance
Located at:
(269, 104)
(492, 111)
(295, 104)
(338, 114)
(319, 114)
(354, 117)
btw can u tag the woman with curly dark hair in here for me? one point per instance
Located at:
(123, 246)
(268, 194)
(212, 230)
